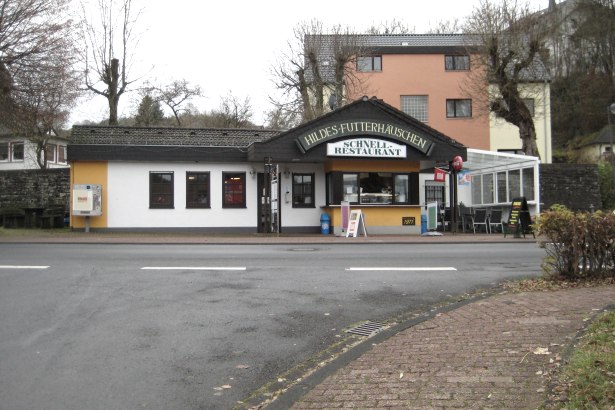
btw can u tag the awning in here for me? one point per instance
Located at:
(485, 161)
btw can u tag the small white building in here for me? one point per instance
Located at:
(18, 153)
(366, 155)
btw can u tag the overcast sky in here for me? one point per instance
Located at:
(230, 45)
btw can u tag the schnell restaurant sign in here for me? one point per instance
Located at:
(366, 147)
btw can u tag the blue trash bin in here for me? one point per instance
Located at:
(423, 223)
(325, 223)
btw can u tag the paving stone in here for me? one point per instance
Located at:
(481, 355)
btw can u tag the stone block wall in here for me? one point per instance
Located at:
(35, 188)
(577, 186)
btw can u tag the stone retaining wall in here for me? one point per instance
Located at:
(577, 186)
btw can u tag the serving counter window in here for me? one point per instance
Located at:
(371, 188)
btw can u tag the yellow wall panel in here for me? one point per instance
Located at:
(94, 173)
(379, 216)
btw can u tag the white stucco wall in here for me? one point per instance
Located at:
(128, 197)
(302, 217)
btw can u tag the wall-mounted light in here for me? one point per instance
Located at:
(286, 172)
(252, 172)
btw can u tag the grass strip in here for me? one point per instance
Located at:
(589, 376)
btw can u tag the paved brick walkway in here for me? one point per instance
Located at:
(490, 353)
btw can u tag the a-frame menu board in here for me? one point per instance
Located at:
(519, 221)
(356, 222)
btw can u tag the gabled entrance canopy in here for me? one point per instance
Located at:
(382, 129)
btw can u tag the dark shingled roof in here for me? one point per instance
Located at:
(159, 136)
(601, 137)
(413, 44)
(415, 40)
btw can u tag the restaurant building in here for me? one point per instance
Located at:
(367, 154)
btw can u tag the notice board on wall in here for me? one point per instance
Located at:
(87, 200)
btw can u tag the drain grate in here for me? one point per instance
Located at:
(367, 329)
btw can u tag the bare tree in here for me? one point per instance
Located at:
(175, 95)
(45, 106)
(390, 27)
(109, 44)
(508, 49)
(319, 62)
(278, 119)
(453, 26)
(37, 76)
(234, 113)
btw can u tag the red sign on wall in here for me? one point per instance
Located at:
(439, 175)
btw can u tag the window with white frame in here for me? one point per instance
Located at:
(488, 189)
(527, 176)
(477, 189)
(503, 186)
(415, 106)
(514, 184)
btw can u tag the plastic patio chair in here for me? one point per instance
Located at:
(495, 220)
(480, 218)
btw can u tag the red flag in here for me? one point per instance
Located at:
(439, 175)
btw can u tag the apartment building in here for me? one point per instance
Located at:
(433, 78)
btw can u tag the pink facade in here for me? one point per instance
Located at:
(425, 75)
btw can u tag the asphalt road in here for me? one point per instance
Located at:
(202, 326)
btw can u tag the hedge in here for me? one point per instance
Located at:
(579, 245)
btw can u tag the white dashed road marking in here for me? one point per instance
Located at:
(193, 268)
(429, 269)
(22, 267)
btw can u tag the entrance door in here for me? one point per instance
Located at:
(268, 221)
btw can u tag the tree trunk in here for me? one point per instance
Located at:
(113, 95)
(527, 133)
